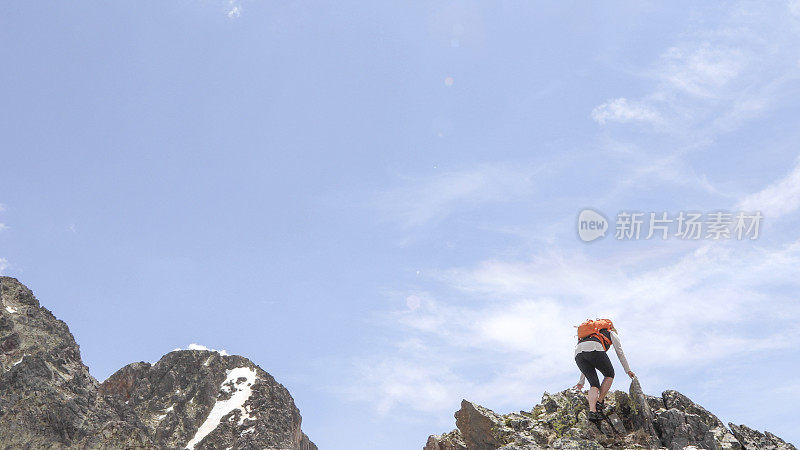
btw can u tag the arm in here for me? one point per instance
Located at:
(581, 381)
(620, 353)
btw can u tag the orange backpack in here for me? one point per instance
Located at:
(592, 328)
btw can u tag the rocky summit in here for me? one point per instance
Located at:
(633, 420)
(188, 399)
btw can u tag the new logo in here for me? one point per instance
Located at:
(591, 225)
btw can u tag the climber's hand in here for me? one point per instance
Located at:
(579, 387)
(631, 374)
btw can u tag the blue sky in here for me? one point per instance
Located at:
(376, 201)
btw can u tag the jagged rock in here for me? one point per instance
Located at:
(447, 441)
(752, 439)
(200, 399)
(47, 396)
(480, 427)
(643, 416)
(616, 423)
(678, 430)
(174, 397)
(633, 420)
(721, 435)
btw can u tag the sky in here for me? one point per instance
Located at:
(377, 201)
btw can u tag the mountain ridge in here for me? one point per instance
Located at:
(632, 420)
(189, 398)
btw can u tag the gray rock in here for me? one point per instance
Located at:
(447, 441)
(616, 423)
(678, 430)
(752, 439)
(48, 399)
(480, 427)
(633, 420)
(722, 436)
(642, 415)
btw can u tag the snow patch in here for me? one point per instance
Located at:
(161, 417)
(10, 309)
(240, 391)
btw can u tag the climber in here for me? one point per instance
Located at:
(594, 339)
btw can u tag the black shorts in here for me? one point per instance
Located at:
(589, 362)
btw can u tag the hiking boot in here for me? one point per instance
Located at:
(601, 406)
(595, 416)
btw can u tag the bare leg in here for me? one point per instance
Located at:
(592, 395)
(605, 386)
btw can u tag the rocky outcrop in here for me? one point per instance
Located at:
(633, 420)
(189, 398)
(175, 397)
(750, 438)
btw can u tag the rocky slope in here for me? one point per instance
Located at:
(633, 420)
(189, 398)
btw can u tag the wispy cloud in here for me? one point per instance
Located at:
(397, 381)
(710, 81)
(622, 110)
(714, 78)
(701, 70)
(777, 199)
(508, 324)
(421, 201)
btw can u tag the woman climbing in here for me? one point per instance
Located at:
(594, 339)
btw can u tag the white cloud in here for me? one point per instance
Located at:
(398, 381)
(194, 346)
(702, 70)
(234, 10)
(692, 82)
(714, 78)
(711, 81)
(777, 199)
(419, 202)
(509, 324)
(501, 330)
(622, 110)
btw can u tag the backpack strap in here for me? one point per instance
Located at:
(598, 337)
(605, 338)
